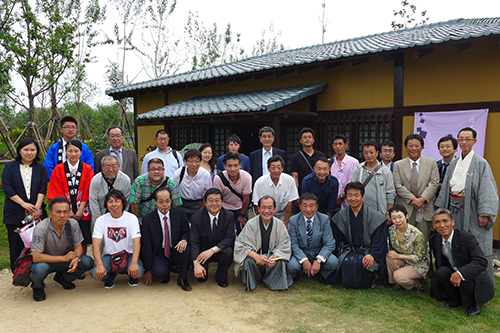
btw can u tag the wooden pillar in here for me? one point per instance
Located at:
(398, 104)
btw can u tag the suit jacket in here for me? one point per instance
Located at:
(470, 261)
(152, 235)
(130, 163)
(322, 242)
(200, 237)
(12, 184)
(256, 162)
(428, 181)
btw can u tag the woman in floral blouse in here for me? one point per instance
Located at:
(407, 262)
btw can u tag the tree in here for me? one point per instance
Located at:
(406, 16)
(159, 48)
(207, 47)
(268, 43)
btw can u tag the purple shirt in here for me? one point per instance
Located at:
(343, 173)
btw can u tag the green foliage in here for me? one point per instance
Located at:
(406, 16)
(268, 43)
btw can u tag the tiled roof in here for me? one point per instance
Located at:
(436, 33)
(258, 100)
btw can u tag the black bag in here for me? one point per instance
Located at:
(22, 269)
(119, 261)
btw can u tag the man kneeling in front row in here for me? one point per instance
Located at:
(461, 277)
(262, 250)
(52, 251)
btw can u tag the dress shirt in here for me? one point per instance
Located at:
(343, 173)
(193, 188)
(445, 250)
(412, 161)
(169, 162)
(162, 223)
(26, 172)
(265, 156)
(211, 218)
(120, 156)
(285, 192)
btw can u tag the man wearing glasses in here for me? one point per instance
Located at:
(110, 178)
(57, 152)
(172, 160)
(127, 157)
(144, 186)
(192, 182)
(469, 191)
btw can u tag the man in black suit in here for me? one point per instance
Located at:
(212, 238)
(259, 157)
(129, 163)
(461, 277)
(164, 243)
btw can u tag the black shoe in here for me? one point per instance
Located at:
(296, 277)
(184, 284)
(322, 280)
(165, 281)
(473, 310)
(201, 280)
(133, 282)
(63, 282)
(38, 294)
(81, 277)
(222, 284)
(452, 304)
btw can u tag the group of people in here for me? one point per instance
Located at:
(342, 221)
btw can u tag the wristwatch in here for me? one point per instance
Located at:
(319, 260)
(79, 258)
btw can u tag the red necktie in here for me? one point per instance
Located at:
(167, 238)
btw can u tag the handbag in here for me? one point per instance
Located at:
(22, 269)
(119, 261)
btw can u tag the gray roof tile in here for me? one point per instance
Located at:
(258, 100)
(388, 41)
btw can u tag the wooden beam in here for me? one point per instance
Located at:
(358, 61)
(387, 57)
(461, 47)
(330, 65)
(422, 52)
(283, 72)
(304, 69)
(193, 85)
(222, 81)
(262, 75)
(207, 83)
(179, 87)
(242, 78)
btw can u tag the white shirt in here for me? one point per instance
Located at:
(73, 169)
(265, 156)
(26, 172)
(117, 234)
(211, 218)
(445, 250)
(193, 188)
(417, 161)
(120, 155)
(162, 223)
(283, 193)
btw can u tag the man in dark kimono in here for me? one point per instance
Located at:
(359, 231)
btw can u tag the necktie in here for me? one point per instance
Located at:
(214, 227)
(118, 157)
(450, 255)
(309, 229)
(167, 238)
(443, 170)
(414, 180)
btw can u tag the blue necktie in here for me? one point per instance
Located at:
(214, 227)
(309, 229)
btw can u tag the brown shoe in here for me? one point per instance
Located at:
(184, 284)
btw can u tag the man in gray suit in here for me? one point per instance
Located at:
(416, 180)
(312, 241)
(127, 157)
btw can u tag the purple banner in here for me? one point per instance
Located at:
(432, 126)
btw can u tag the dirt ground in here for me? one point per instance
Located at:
(159, 308)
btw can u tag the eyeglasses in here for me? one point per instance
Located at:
(109, 167)
(211, 201)
(465, 139)
(193, 162)
(115, 136)
(70, 127)
(157, 170)
(162, 139)
(161, 202)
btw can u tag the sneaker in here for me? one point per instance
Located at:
(109, 284)
(63, 282)
(133, 282)
(38, 294)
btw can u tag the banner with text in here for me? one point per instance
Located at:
(432, 126)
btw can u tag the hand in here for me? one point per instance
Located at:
(316, 266)
(133, 270)
(100, 272)
(482, 221)
(204, 256)
(29, 207)
(271, 263)
(181, 246)
(286, 221)
(242, 221)
(36, 214)
(389, 221)
(306, 267)
(439, 187)
(199, 270)
(418, 203)
(73, 265)
(69, 256)
(78, 215)
(368, 261)
(339, 201)
(148, 278)
(261, 260)
(455, 279)
(393, 255)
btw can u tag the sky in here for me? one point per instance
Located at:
(297, 20)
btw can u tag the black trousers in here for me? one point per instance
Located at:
(224, 259)
(463, 295)
(161, 265)
(16, 244)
